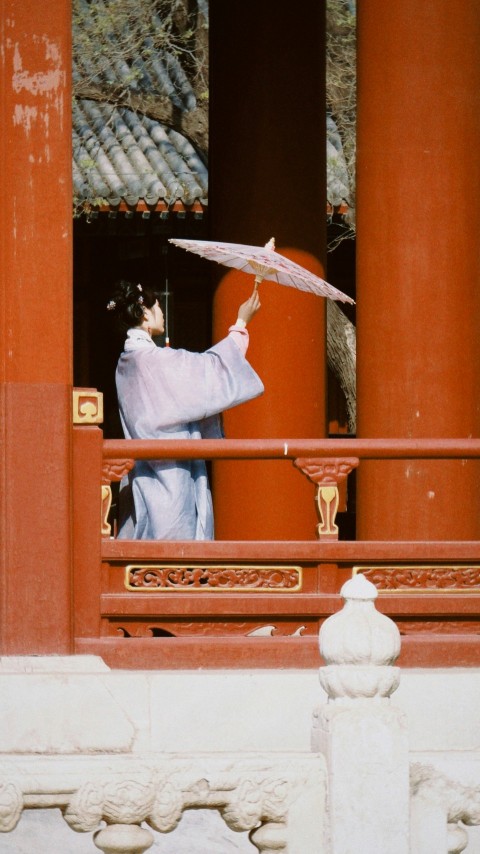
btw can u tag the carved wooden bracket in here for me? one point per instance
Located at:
(112, 471)
(327, 473)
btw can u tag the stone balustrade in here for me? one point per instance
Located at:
(83, 739)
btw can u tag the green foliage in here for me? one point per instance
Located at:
(117, 42)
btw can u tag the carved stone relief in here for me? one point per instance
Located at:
(460, 804)
(251, 794)
(146, 797)
(11, 805)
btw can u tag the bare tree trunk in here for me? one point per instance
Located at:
(341, 356)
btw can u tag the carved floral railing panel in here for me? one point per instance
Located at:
(421, 578)
(210, 578)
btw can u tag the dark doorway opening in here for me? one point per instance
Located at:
(111, 246)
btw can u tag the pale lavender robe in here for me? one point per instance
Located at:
(174, 394)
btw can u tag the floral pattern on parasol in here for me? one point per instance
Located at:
(264, 263)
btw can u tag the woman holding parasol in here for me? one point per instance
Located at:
(167, 393)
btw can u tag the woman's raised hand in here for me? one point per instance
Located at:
(250, 307)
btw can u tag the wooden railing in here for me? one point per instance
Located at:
(256, 603)
(327, 463)
(270, 449)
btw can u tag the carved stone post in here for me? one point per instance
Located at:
(123, 839)
(363, 738)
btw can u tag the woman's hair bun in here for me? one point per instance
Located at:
(129, 301)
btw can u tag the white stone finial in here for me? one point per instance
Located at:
(359, 587)
(359, 645)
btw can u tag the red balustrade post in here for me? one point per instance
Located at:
(418, 347)
(87, 528)
(35, 328)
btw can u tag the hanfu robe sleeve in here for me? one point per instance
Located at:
(160, 389)
(240, 335)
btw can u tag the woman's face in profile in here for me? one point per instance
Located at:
(157, 323)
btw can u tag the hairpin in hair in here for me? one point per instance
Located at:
(140, 288)
(111, 305)
(140, 300)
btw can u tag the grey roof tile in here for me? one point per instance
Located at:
(123, 156)
(120, 155)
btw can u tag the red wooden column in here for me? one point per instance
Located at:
(35, 328)
(418, 260)
(267, 179)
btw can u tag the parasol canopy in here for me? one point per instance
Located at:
(264, 263)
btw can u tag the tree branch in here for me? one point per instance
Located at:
(192, 124)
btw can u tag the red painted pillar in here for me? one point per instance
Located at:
(267, 179)
(418, 262)
(35, 328)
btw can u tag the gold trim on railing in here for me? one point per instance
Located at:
(422, 578)
(87, 406)
(106, 528)
(212, 578)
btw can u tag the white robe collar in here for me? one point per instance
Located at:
(138, 339)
